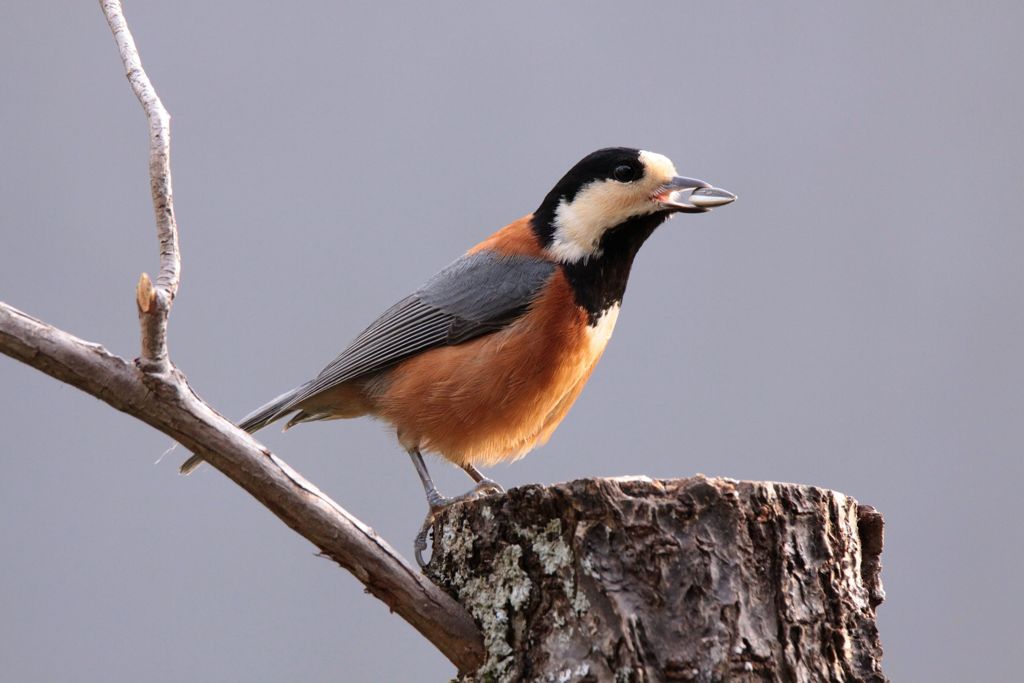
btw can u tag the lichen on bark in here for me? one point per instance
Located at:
(687, 579)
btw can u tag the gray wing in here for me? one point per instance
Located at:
(477, 294)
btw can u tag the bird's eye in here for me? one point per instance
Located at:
(624, 174)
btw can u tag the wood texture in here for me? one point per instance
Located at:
(154, 391)
(597, 580)
(673, 580)
(167, 402)
(154, 301)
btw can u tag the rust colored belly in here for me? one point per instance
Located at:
(496, 397)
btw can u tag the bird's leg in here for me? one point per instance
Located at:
(483, 484)
(437, 502)
(434, 499)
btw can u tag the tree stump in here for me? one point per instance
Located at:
(633, 579)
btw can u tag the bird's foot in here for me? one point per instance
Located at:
(420, 543)
(486, 486)
(439, 503)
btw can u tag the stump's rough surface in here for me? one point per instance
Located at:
(699, 579)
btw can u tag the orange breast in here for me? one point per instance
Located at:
(497, 396)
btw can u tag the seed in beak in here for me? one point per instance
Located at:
(710, 197)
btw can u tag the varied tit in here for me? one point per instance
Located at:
(481, 363)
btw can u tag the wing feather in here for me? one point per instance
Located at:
(479, 293)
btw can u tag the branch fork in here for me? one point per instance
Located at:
(153, 391)
(574, 541)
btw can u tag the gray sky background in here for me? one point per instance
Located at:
(854, 321)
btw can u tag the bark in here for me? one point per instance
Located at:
(154, 301)
(597, 580)
(153, 390)
(167, 402)
(672, 580)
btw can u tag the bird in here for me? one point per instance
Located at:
(483, 362)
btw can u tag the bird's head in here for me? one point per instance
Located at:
(615, 189)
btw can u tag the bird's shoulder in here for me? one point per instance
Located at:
(518, 238)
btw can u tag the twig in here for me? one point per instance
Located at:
(171, 406)
(154, 302)
(153, 391)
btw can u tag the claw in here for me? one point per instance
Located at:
(438, 504)
(420, 543)
(485, 486)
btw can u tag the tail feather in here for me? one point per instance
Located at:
(270, 412)
(256, 420)
(190, 464)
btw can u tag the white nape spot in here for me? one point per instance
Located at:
(600, 332)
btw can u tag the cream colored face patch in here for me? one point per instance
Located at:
(659, 167)
(603, 204)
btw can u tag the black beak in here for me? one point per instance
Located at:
(703, 197)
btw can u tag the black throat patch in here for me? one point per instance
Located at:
(600, 281)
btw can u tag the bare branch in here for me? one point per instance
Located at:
(154, 302)
(170, 405)
(154, 391)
